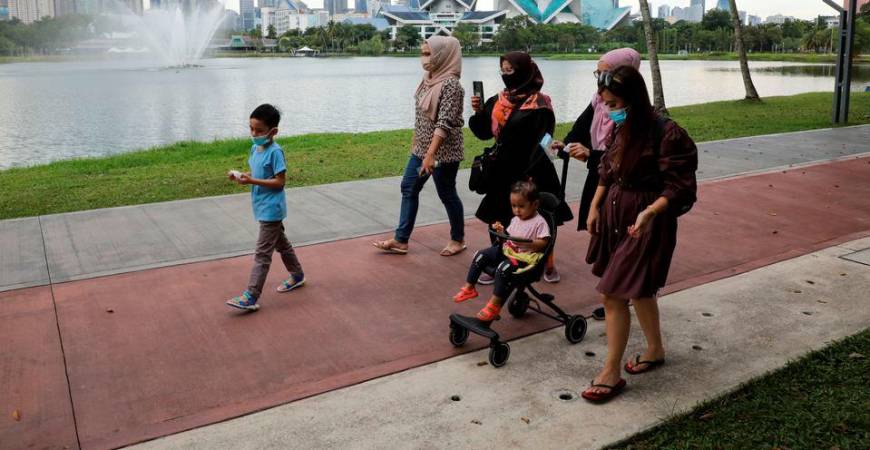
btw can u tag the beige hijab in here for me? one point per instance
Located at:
(446, 62)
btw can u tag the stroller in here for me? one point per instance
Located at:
(522, 282)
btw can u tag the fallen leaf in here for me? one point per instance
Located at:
(842, 274)
(526, 420)
(482, 363)
(477, 422)
(810, 282)
(821, 301)
(110, 310)
(836, 185)
(707, 416)
(775, 232)
(856, 355)
(771, 214)
(16, 415)
(797, 291)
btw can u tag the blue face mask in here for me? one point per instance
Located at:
(261, 140)
(618, 116)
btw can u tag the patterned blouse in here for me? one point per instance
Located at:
(448, 124)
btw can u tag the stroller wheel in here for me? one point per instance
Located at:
(519, 305)
(575, 329)
(499, 354)
(458, 335)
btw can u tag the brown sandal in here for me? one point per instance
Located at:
(388, 247)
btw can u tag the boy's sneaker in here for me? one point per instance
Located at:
(295, 281)
(244, 301)
(552, 276)
(485, 279)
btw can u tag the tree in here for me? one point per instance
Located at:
(658, 92)
(271, 33)
(411, 35)
(566, 41)
(716, 19)
(465, 34)
(751, 93)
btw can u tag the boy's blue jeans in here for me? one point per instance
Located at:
(445, 183)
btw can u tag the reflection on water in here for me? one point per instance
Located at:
(860, 72)
(51, 111)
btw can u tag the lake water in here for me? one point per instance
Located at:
(59, 110)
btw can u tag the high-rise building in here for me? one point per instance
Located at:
(724, 5)
(754, 20)
(360, 6)
(334, 7)
(664, 11)
(64, 7)
(247, 13)
(29, 11)
(135, 6)
(701, 3)
(4, 9)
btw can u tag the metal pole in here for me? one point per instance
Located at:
(838, 73)
(847, 71)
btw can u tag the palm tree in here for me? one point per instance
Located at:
(751, 93)
(652, 51)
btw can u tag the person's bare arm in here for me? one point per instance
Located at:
(274, 183)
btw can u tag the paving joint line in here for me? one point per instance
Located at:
(60, 338)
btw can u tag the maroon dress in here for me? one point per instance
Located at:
(638, 267)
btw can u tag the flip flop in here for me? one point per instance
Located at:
(382, 245)
(595, 397)
(448, 252)
(650, 365)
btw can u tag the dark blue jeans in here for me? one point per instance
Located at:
(493, 257)
(445, 183)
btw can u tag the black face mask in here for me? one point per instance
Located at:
(512, 81)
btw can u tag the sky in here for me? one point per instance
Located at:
(802, 9)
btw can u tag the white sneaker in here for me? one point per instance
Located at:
(552, 277)
(485, 279)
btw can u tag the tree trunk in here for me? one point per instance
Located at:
(658, 92)
(751, 93)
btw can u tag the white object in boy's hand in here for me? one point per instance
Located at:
(235, 175)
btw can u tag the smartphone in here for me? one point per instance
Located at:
(477, 89)
(546, 141)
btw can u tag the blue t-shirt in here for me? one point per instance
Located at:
(270, 205)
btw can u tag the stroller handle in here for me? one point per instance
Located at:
(508, 237)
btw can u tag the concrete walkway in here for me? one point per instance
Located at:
(719, 335)
(62, 247)
(111, 361)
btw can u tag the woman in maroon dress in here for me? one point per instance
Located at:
(647, 179)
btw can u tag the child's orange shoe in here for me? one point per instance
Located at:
(465, 294)
(489, 312)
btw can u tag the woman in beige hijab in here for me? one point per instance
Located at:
(437, 148)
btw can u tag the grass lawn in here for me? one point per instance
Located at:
(196, 169)
(821, 401)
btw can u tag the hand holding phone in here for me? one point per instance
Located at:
(477, 92)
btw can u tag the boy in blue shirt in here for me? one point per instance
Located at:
(267, 177)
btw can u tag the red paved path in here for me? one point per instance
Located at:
(172, 357)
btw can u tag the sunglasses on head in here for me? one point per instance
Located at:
(607, 79)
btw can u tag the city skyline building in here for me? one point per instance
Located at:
(360, 6)
(247, 13)
(29, 11)
(664, 11)
(4, 9)
(724, 5)
(602, 14)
